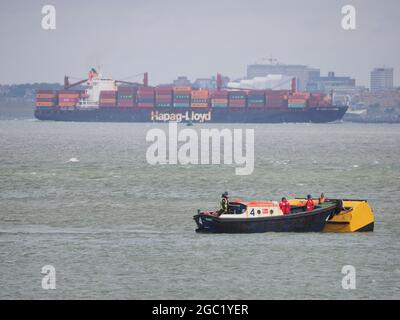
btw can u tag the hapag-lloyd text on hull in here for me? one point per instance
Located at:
(180, 116)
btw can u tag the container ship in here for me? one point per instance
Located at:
(108, 100)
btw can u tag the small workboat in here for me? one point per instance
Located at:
(266, 216)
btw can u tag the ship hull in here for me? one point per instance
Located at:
(314, 221)
(202, 115)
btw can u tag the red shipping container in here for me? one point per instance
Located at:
(109, 92)
(219, 94)
(297, 101)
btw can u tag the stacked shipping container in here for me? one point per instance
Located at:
(67, 99)
(164, 97)
(298, 99)
(276, 98)
(108, 99)
(314, 99)
(219, 99)
(46, 99)
(256, 99)
(296, 103)
(237, 99)
(126, 97)
(168, 96)
(145, 97)
(199, 99)
(182, 97)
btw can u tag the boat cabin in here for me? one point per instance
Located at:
(253, 209)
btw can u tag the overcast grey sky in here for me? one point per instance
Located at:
(195, 38)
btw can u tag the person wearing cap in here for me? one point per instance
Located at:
(285, 206)
(309, 204)
(224, 203)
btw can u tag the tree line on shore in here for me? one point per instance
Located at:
(26, 90)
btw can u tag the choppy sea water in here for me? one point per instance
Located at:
(81, 197)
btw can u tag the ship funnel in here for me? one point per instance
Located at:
(294, 86)
(146, 79)
(219, 81)
(66, 82)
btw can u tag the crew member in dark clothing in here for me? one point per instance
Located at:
(224, 203)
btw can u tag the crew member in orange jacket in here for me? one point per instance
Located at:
(309, 203)
(285, 206)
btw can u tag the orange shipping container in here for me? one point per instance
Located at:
(68, 95)
(200, 93)
(67, 104)
(45, 96)
(296, 101)
(104, 100)
(183, 89)
(44, 104)
(199, 105)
